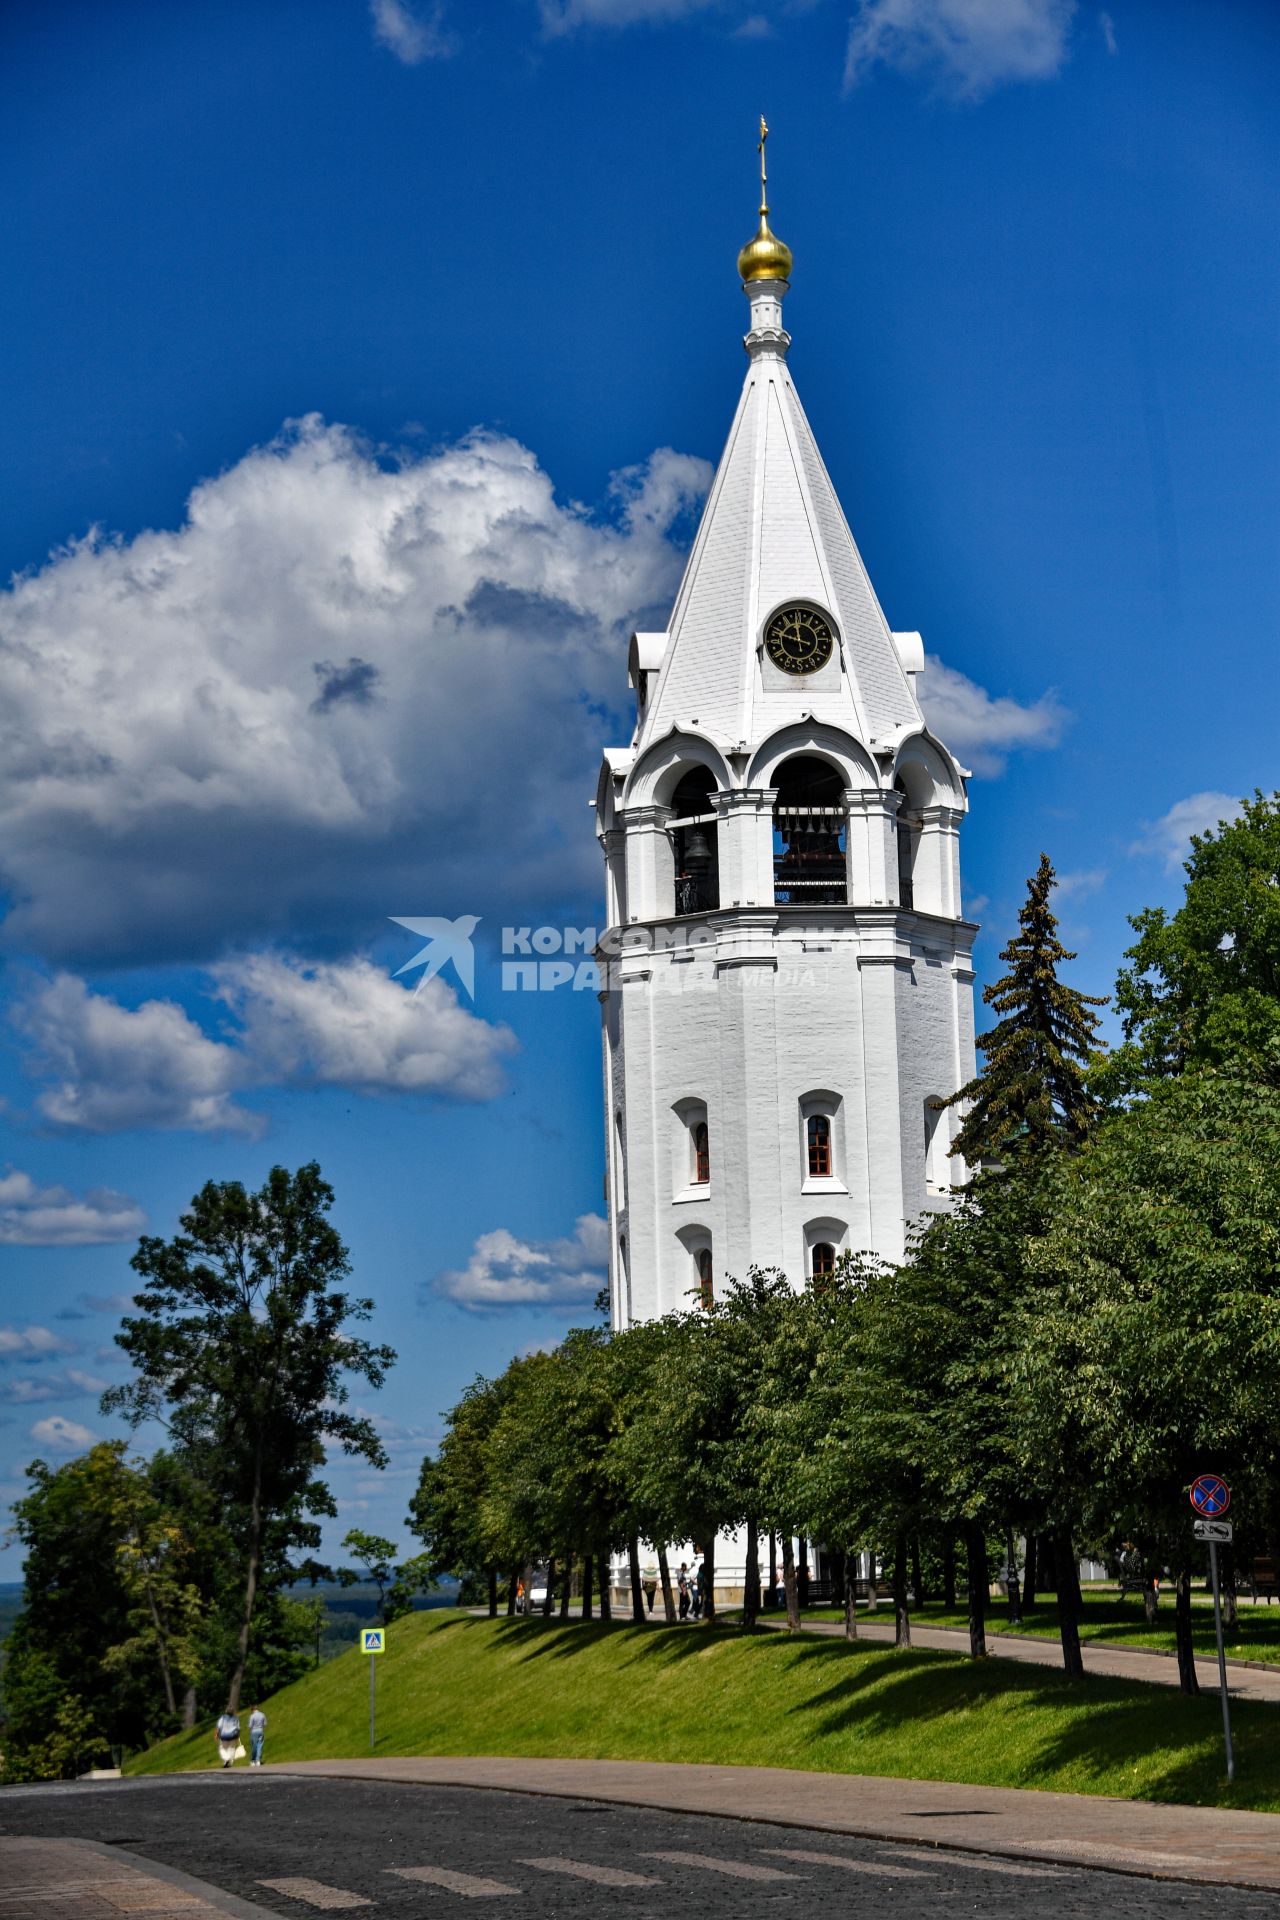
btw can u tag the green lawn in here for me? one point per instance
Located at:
(1108, 1617)
(453, 1683)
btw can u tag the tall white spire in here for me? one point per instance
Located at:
(773, 532)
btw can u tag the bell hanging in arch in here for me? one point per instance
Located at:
(697, 850)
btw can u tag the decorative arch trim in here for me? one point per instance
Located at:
(928, 772)
(659, 769)
(847, 755)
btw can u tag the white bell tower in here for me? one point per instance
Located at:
(788, 993)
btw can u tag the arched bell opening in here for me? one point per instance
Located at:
(910, 825)
(693, 839)
(809, 828)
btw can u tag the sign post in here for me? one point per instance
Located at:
(1211, 1496)
(373, 1640)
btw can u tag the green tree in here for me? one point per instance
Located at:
(633, 1359)
(463, 1530)
(159, 1571)
(1031, 1093)
(770, 1335)
(241, 1345)
(549, 1482)
(73, 1525)
(1149, 1349)
(1204, 985)
(681, 1456)
(396, 1584)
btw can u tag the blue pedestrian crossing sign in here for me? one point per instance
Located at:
(373, 1639)
(1210, 1495)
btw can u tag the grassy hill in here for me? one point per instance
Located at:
(451, 1683)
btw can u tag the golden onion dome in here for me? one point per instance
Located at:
(765, 257)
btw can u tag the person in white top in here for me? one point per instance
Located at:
(257, 1734)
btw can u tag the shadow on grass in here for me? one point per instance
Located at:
(567, 1640)
(1098, 1733)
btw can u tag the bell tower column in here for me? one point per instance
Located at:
(871, 846)
(938, 861)
(650, 863)
(745, 840)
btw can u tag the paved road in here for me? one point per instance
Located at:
(301, 1847)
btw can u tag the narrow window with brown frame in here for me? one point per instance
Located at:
(701, 1154)
(819, 1132)
(823, 1260)
(705, 1276)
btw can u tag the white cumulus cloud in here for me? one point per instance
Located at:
(561, 16)
(1169, 837)
(32, 1343)
(352, 1025)
(967, 47)
(408, 32)
(28, 1389)
(35, 1216)
(108, 1068)
(982, 731)
(506, 1272)
(346, 682)
(57, 1434)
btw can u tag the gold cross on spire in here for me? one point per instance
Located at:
(765, 257)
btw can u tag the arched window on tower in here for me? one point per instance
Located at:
(937, 1146)
(822, 1261)
(624, 1277)
(818, 1131)
(909, 825)
(706, 1282)
(701, 1154)
(697, 869)
(619, 1164)
(809, 829)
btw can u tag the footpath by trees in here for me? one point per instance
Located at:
(157, 1591)
(1096, 1321)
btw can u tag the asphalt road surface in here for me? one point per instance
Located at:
(303, 1847)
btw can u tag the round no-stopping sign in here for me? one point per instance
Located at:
(1210, 1495)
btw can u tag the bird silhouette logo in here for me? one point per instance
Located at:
(446, 940)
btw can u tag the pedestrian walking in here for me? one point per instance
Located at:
(229, 1748)
(257, 1734)
(649, 1582)
(682, 1587)
(695, 1591)
(520, 1594)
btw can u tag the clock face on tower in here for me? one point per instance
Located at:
(798, 639)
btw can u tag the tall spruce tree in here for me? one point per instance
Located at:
(1031, 1093)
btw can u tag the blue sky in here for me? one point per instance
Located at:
(363, 368)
